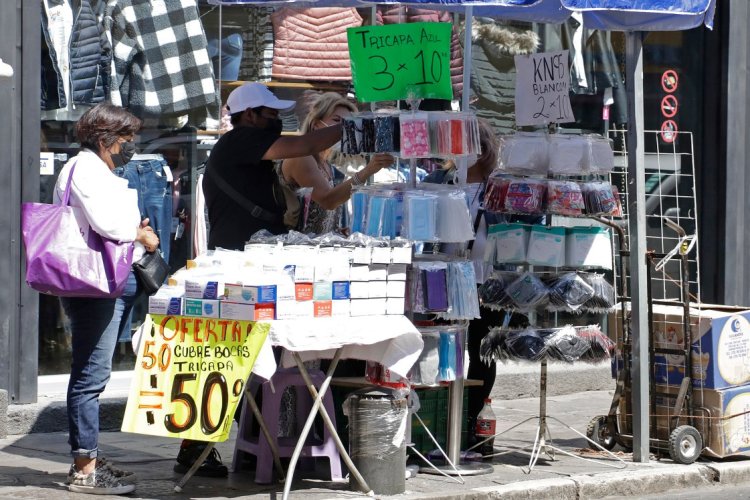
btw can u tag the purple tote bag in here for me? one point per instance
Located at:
(66, 257)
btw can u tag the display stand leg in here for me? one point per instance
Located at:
(318, 408)
(543, 439)
(196, 465)
(454, 465)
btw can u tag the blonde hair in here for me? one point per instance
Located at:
(322, 106)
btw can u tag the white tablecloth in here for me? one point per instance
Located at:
(392, 341)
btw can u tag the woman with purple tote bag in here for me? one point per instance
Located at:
(107, 215)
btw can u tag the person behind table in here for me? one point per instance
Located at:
(476, 178)
(316, 172)
(241, 165)
(111, 208)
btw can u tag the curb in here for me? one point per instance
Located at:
(51, 415)
(653, 479)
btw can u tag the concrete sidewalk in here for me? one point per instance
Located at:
(35, 465)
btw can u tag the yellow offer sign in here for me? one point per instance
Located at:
(190, 375)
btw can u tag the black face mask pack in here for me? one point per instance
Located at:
(127, 151)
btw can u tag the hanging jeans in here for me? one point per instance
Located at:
(95, 325)
(147, 176)
(230, 48)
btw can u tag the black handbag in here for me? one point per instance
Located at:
(151, 271)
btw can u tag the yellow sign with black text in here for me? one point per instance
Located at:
(190, 375)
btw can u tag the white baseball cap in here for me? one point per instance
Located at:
(253, 95)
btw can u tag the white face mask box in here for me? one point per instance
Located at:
(588, 247)
(206, 308)
(203, 288)
(167, 300)
(511, 242)
(546, 246)
(237, 310)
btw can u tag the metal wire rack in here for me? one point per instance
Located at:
(670, 196)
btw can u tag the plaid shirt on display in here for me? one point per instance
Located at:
(160, 62)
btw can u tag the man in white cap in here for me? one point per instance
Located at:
(239, 188)
(239, 179)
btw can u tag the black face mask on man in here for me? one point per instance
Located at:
(275, 125)
(127, 151)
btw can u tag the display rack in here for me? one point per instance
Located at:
(543, 442)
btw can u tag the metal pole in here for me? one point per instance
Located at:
(462, 162)
(456, 410)
(637, 231)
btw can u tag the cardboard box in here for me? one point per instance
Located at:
(396, 289)
(394, 306)
(206, 308)
(359, 273)
(322, 290)
(164, 305)
(727, 431)
(377, 289)
(401, 255)
(236, 292)
(378, 272)
(249, 294)
(303, 291)
(286, 309)
(285, 290)
(167, 300)
(397, 272)
(322, 308)
(381, 255)
(720, 338)
(340, 290)
(304, 273)
(237, 310)
(265, 312)
(367, 307)
(362, 255)
(340, 308)
(359, 289)
(203, 288)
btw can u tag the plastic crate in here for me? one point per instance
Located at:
(434, 414)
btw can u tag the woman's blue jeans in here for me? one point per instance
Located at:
(94, 325)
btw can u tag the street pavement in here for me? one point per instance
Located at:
(33, 466)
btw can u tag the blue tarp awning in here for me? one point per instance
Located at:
(644, 15)
(614, 15)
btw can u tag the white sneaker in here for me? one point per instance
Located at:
(102, 462)
(99, 482)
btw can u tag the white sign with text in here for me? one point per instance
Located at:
(542, 86)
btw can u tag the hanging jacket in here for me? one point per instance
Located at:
(597, 60)
(493, 71)
(311, 44)
(161, 64)
(403, 14)
(89, 55)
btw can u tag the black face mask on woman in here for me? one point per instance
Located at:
(127, 151)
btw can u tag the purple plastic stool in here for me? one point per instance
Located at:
(271, 405)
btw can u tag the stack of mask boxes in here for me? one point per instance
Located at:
(298, 283)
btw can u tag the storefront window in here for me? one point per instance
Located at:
(237, 44)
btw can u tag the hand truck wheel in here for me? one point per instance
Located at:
(685, 444)
(598, 432)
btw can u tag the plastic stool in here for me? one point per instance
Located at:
(258, 445)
